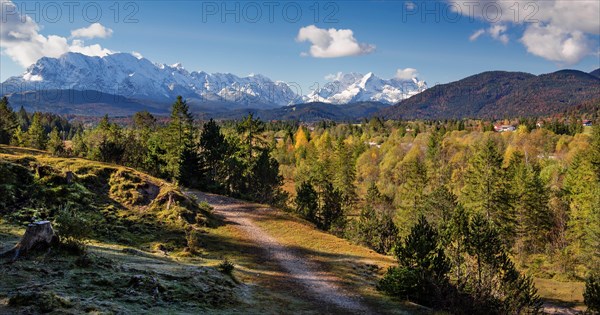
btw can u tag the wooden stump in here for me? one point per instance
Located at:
(39, 235)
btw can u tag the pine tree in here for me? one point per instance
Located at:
(55, 144)
(582, 188)
(530, 202)
(331, 214)
(36, 136)
(486, 189)
(178, 133)
(422, 267)
(23, 118)
(307, 202)
(8, 121)
(188, 173)
(249, 130)
(213, 151)
(265, 180)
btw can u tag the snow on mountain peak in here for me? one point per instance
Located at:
(134, 76)
(355, 87)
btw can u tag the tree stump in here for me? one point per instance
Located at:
(39, 235)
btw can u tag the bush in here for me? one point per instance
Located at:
(226, 267)
(73, 228)
(591, 295)
(401, 282)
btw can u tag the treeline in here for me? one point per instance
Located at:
(488, 204)
(193, 154)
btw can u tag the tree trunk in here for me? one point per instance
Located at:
(39, 235)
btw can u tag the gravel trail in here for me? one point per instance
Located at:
(321, 285)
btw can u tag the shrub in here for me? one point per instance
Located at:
(591, 295)
(226, 267)
(73, 228)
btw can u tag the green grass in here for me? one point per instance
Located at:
(567, 294)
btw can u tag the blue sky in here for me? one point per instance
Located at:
(441, 46)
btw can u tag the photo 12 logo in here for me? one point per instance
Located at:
(455, 11)
(71, 11)
(269, 11)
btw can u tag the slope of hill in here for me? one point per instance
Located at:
(499, 94)
(155, 249)
(596, 73)
(308, 112)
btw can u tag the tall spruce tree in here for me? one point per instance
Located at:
(8, 121)
(179, 133)
(213, 151)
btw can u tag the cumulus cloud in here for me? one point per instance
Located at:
(95, 30)
(21, 41)
(496, 31)
(332, 43)
(557, 30)
(555, 44)
(406, 74)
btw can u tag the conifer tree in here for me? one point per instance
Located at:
(213, 151)
(179, 133)
(307, 201)
(530, 202)
(8, 121)
(265, 180)
(188, 173)
(344, 173)
(55, 143)
(36, 136)
(486, 188)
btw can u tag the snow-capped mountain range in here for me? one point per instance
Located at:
(134, 77)
(355, 87)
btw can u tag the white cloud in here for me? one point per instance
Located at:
(476, 35)
(95, 30)
(555, 44)
(406, 74)
(332, 43)
(21, 41)
(334, 76)
(497, 32)
(557, 30)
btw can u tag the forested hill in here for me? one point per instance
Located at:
(498, 94)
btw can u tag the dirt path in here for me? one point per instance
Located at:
(319, 284)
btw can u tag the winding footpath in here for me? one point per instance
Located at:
(319, 284)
